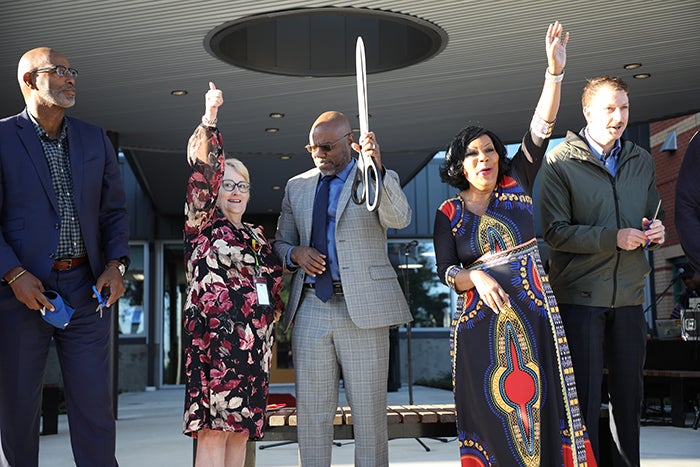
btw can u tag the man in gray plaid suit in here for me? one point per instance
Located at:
(349, 330)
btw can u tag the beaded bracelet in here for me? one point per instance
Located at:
(17, 276)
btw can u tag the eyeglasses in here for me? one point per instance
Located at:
(325, 147)
(230, 185)
(61, 71)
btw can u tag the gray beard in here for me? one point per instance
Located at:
(57, 99)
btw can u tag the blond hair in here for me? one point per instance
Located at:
(239, 167)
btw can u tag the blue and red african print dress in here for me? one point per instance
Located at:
(514, 386)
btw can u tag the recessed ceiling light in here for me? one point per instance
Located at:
(276, 115)
(272, 130)
(179, 92)
(632, 66)
(276, 187)
(285, 157)
(642, 76)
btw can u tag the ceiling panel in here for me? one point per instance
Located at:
(131, 54)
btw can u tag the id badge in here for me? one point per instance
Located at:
(261, 289)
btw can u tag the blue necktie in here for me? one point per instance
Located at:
(319, 238)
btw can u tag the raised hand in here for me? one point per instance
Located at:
(555, 46)
(369, 147)
(213, 99)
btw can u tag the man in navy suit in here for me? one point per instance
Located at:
(64, 227)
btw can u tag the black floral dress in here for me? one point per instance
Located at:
(228, 336)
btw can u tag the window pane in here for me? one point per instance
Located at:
(132, 321)
(428, 299)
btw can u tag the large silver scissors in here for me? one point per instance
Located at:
(367, 185)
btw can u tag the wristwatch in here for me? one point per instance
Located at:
(121, 264)
(122, 268)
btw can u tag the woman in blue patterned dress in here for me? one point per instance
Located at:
(233, 300)
(513, 383)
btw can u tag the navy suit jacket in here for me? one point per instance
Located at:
(29, 217)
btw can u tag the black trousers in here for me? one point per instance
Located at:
(612, 338)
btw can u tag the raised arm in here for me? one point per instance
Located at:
(555, 47)
(205, 153)
(527, 161)
(200, 144)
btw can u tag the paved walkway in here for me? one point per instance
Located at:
(149, 434)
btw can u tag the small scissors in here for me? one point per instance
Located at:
(101, 300)
(658, 206)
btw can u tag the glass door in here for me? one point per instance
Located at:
(173, 292)
(174, 288)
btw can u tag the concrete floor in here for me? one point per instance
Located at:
(150, 423)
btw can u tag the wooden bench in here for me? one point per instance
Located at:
(403, 421)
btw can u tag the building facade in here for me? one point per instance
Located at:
(149, 317)
(669, 140)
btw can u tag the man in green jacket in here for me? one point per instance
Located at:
(598, 203)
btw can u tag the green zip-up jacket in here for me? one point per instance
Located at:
(582, 206)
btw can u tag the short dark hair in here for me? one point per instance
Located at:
(594, 84)
(452, 173)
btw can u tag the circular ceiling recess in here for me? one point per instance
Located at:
(321, 41)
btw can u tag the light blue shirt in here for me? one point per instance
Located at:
(334, 189)
(608, 160)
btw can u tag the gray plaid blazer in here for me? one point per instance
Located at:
(372, 293)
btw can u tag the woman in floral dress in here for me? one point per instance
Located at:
(514, 388)
(233, 300)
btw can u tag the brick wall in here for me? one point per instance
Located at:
(667, 167)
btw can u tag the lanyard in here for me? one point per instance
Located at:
(263, 295)
(256, 246)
